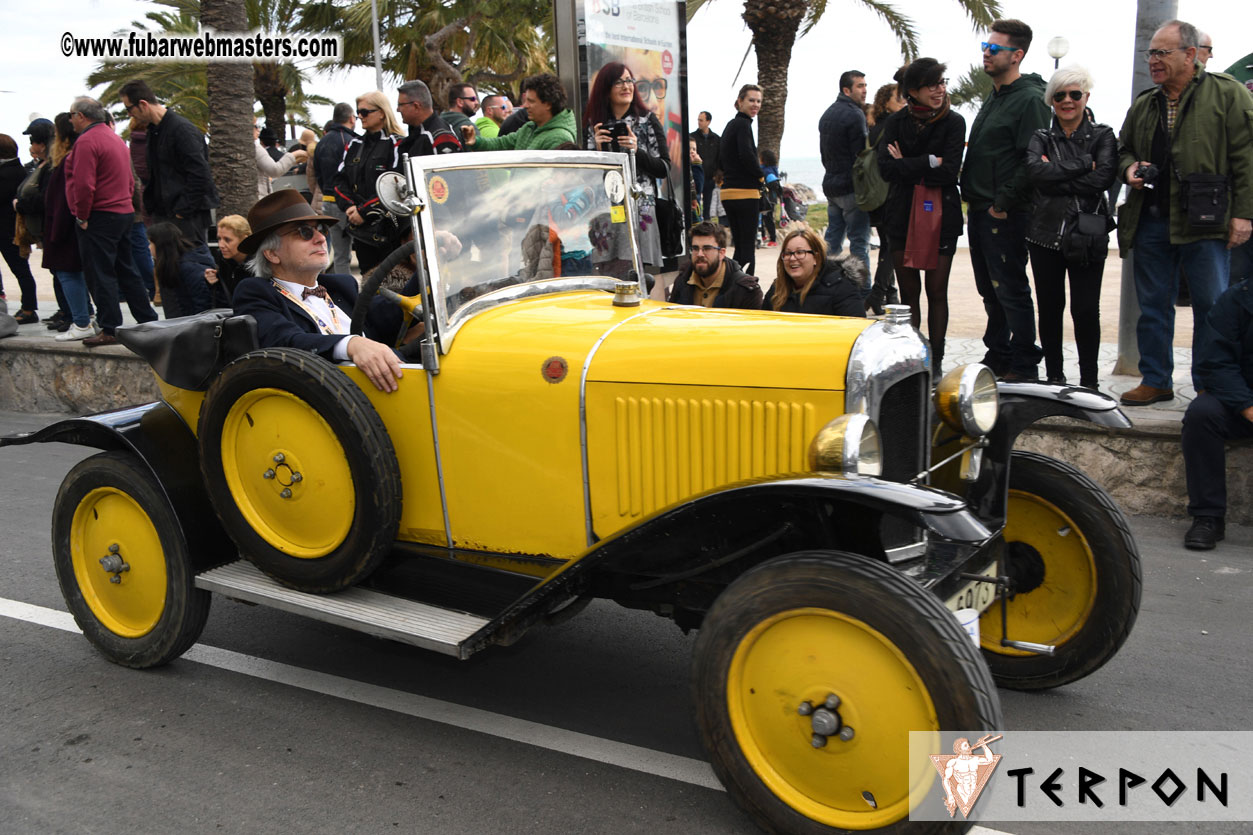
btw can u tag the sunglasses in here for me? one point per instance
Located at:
(1060, 95)
(467, 98)
(995, 48)
(654, 88)
(306, 231)
(366, 111)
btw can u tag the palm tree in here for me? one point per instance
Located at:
(229, 88)
(972, 89)
(776, 24)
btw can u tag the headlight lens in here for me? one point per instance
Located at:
(967, 399)
(849, 445)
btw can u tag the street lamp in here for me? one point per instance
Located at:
(1058, 47)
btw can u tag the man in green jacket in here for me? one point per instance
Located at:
(551, 122)
(994, 183)
(1192, 123)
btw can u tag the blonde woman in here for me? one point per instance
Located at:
(230, 269)
(374, 232)
(806, 281)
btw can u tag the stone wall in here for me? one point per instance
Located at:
(39, 375)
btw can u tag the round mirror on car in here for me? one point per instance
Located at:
(967, 399)
(395, 195)
(850, 444)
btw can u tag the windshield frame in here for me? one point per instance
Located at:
(435, 286)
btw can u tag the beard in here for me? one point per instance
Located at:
(707, 268)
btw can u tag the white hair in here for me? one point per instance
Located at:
(1066, 76)
(258, 264)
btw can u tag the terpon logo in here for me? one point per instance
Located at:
(964, 773)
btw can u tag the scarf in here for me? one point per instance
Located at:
(928, 115)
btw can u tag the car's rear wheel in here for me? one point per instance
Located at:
(1076, 575)
(123, 563)
(300, 469)
(836, 632)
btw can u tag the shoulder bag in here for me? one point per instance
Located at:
(869, 187)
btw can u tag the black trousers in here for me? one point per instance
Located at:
(21, 271)
(1207, 426)
(1050, 269)
(105, 247)
(742, 217)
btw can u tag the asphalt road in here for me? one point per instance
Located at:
(273, 723)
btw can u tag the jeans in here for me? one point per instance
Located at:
(340, 240)
(1156, 267)
(74, 286)
(998, 254)
(142, 256)
(707, 196)
(1207, 426)
(110, 268)
(843, 217)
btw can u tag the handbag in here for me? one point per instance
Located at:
(1204, 198)
(30, 201)
(189, 351)
(1085, 235)
(669, 215)
(869, 187)
(922, 241)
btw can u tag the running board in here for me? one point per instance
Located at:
(430, 627)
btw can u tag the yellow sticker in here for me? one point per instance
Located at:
(617, 214)
(438, 189)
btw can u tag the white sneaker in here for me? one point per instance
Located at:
(95, 328)
(76, 333)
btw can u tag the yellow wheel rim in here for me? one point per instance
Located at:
(804, 655)
(288, 473)
(109, 522)
(1057, 609)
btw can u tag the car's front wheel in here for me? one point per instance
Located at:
(811, 670)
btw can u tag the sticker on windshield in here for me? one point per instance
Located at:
(438, 188)
(615, 188)
(617, 214)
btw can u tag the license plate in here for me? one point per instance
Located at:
(976, 594)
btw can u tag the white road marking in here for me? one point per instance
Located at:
(620, 754)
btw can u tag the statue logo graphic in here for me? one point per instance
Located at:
(965, 773)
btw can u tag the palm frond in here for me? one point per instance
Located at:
(902, 26)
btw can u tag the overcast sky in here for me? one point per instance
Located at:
(35, 77)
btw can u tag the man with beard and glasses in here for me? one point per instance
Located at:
(711, 279)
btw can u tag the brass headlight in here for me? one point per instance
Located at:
(967, 399)
(849, 445)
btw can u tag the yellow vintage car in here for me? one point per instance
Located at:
(797, 488)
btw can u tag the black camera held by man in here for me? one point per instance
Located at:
(1148, 172)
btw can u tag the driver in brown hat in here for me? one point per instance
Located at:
(295, 304)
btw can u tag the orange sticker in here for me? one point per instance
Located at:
(438, 189)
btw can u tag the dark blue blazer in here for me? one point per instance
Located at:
(280, 323)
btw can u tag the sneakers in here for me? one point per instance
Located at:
(1143, 395)
(75, 333)
(1205, 533)
(53, 321)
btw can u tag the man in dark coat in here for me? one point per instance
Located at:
(710, 279)
(294, 303)
(841, 134)
(708, 146)
(1222, 411)
(327, 158)
(180, 186)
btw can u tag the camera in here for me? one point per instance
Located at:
(616, 129)
(1148, 173)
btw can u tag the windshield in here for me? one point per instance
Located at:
(498, 226)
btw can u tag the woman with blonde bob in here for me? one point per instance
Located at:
(806, 281)
(377, 150)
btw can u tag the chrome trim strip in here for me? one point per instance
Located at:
(587, 366)
(882, 355)
(439, 461)
(524, 291)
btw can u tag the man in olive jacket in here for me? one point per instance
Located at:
(1193, 122)
(994, 183)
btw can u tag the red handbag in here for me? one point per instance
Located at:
(922, 242)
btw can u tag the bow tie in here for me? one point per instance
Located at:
(318, 291)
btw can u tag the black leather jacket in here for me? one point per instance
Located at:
(1080, 169)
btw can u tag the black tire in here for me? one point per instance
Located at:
(154, 612)
(300, 469)
(776, 617)
(1077, 574)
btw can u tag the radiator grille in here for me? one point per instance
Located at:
(670, 448)
(902, 413)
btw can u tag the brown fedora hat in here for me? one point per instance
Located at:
(272, 211)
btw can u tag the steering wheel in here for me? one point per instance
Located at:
(412, 305)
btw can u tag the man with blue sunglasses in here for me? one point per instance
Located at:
(994, 183)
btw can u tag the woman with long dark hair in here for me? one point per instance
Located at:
(616, 119)
(180, 266)
(60, 240)
(374, 233)
(922, 144)
(887, 100)
(806, 281)
(1071, 164)
(742, 177)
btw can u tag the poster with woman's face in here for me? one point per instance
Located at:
(644, 36)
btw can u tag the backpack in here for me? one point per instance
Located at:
(869, 187)
(30, 200)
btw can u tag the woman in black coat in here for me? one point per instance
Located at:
(742, 177)
(374, 232)
(923, 144)
(1071, 164)
(806, 282)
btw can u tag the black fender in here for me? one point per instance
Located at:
(1022, 404)
(159, 437)
(678, 560)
